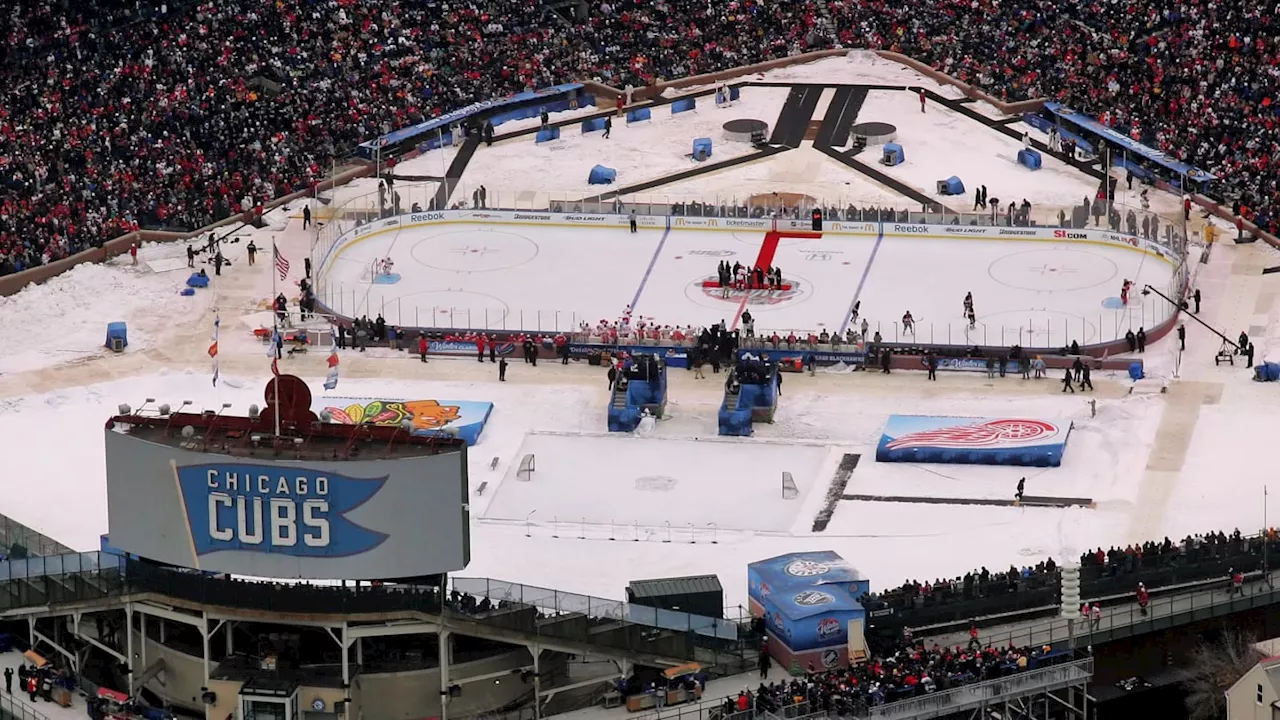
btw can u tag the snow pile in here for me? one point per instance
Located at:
(65, 319)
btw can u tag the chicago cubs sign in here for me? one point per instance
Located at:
(294, 511)
(273, 517)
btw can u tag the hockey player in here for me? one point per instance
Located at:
(1124, 291)
(853, 317)
(864, 328)
(908, 323)
(968, 302)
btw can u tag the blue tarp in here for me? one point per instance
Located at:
(1129, 144)
(683, 105)
(893, 154)
(954, 186)
(973, 441)
(592, 125)
(601, 175)
(638, 115)
(1029, 158)
(547, 134)
(197, 280)
(701, 148)
(551, 95)
(1267, 372)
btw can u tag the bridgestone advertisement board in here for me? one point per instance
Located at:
(271, 518)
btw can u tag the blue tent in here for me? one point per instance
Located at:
(601, 175)
(951, 186)
(893, 154)
(701, 148)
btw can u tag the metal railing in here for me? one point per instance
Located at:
(558, 602)
(985, 693)
(551, 614)
(12, 708)
(345, 295)
(18, 540)
(1162, 612)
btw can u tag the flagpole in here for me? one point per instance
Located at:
(275, 337)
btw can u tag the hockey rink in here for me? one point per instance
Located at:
(512, 277)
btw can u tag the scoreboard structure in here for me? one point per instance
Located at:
(215, 493)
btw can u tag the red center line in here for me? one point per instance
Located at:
(764, 259)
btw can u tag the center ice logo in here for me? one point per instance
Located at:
(754, 297)
(806, 568)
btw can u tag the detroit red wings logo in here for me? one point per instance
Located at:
(991, 433)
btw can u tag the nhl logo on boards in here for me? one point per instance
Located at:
(806, 568)
(811, 598)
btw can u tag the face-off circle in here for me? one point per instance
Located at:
(468, 251)
(1059, 269)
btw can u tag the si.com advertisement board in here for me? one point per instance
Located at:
(265, 517)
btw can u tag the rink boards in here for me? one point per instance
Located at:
(542, 272)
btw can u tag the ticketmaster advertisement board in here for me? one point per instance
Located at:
(265, 517)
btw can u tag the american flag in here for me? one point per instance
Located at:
(976, 435)
(282, 265)
(213, 347)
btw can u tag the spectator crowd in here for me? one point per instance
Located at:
(1207, 551)
(909, 670)
(120, 114)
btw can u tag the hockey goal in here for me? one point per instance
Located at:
(378, 267)
(789, 489)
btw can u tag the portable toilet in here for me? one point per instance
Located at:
(117, 337)
(893, 155)
(951, 186)
(701, 148)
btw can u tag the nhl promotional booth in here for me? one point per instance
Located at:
(809, 603)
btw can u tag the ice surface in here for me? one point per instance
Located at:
(1030, 292)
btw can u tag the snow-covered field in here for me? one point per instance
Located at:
(930, 142)
(1192, 460)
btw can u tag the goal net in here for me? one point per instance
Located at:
(376, 268)
(789, 489)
